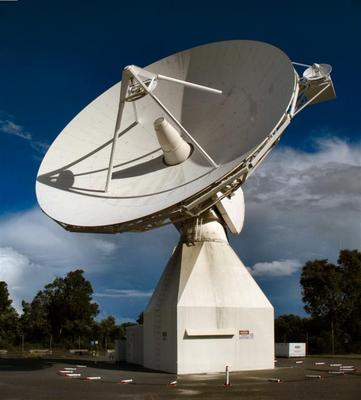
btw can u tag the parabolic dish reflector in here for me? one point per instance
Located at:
(257, 82)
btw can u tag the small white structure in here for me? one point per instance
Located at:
(119, 350)
(290, 349)
(134, 344)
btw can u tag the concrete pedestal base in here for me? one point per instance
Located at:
(207, 311)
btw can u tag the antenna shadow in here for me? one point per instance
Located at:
(147, 167)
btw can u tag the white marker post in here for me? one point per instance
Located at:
(227, 383)
(126, 381)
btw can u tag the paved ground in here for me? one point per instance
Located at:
(38, 379)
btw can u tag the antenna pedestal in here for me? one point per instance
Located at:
(207, 311)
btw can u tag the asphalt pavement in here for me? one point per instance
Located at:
(292, 379)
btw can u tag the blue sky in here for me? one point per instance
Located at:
(56, 56)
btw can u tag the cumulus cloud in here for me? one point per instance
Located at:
(329, 177)
(275, 268)
(18, 272)
(303, 205)
(44, 242)
(300, 206)
(34, 250)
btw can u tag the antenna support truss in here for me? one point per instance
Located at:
(137, 83)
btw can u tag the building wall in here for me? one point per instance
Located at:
(120, 349)
(250, 347)
(135, 344)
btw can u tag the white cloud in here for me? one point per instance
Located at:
(40, 147)
(11, 128)
(122, 293)
(329, 177)
(37, 250)
(45, 242)
(34, 250)
(104, 246)
(275, 268)
(18, 272)
(303, 205)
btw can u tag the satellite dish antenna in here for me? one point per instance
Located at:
(317, 71)
(173, 142)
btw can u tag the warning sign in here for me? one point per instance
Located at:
(245, 334)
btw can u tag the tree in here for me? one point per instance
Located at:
(349, 262)
(289, 328)
(110, 331)
(322, 295)
(62, 310)
(140, 319)
(332, 295)
(5, 301)
(34, 321)
(69, 307)
(8, 317)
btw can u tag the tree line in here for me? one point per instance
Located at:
(332, 297)
(64, 315)
(60, 315)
